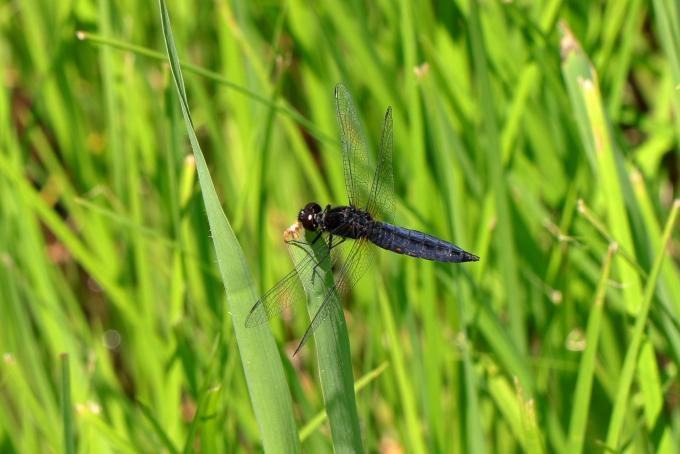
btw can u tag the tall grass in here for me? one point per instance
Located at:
(534, 134)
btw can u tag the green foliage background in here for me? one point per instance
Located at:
(542, 136)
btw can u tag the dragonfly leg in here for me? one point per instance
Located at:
(317, 264)
(316, 238)
(299, 244)
(330, 247)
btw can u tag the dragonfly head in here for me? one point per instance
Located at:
(307, 216)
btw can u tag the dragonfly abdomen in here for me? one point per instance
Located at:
(416, 244)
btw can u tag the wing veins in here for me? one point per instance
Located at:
(275, 300)
(339, 287)
(382, 188)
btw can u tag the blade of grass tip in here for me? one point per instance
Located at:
(332, 349)
(270, 397)
(360, 384)
(211, 433)
(575, 67)
(584, 382)
(67, 407)
(204, 410)
(626, 377)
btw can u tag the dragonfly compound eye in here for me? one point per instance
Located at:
(307, 216)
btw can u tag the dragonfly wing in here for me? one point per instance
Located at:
(355, 263)
(354, 149)
(288, 290)
(330, 305)
(381, 198)
(275, 300)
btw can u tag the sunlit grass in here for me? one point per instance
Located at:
(535, 135)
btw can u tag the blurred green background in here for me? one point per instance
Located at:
(542, 136)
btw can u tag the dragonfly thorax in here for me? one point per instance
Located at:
(345, 221)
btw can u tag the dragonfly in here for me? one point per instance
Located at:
(357, 227)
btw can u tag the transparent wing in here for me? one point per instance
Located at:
(355, 264)
(381, 199)
(288, 290)
(275, 300)
(354, 150)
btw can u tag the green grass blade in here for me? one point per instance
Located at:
(616, 186)
(211, 75)
(473, 419)
(612, 185)
(586, 99)
(592, 219)
(160, 432)
(106, 251)
(584, 382)
(67, 407)
(509, 407)
(360, 384)
(504, 245)
(406, 392)
(621, 401)
(332, 349)
(530, 430)
(667, 14)
(210, 436)
(76, 247)
(261, 362)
